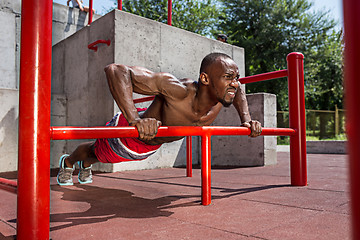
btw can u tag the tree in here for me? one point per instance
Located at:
(324, 86)
(270, 29)
(197, 16)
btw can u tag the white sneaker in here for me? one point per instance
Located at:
(64, 177)
(85, 174)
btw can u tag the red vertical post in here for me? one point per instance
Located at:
(120, 5)
(206, 169)
(352, 99)
(297, 119)
(90, 11)
(169, 20)
(189, 156)
(33, 200)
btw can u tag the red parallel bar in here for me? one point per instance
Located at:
(264, 76)
(90, 11)
(169, 20)
(8, 185)
(189, 156)
(33, 197)
(144, 99)
(297, 119)
(66, 133)
(120, 5)
(352, 99)
(206, 169)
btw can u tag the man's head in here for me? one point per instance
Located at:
(220, 73)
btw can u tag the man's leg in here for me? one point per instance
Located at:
(83, 153)
(85, 156)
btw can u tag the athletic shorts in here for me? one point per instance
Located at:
(115, 150)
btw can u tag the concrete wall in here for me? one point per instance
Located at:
(66, 21)
(78, 75)
(243, 150)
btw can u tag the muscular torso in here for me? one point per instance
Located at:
(180, 112)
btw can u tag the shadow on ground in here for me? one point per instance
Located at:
(106, 203)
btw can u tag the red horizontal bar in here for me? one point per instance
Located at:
(144, 99)
(64, 133)
(8, 185)
(264, 76)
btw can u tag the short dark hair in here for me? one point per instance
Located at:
(210, 59)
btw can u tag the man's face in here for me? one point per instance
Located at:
(224, 75)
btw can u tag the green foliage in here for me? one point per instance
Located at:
(197, 16)
(270, 29)
(324, 86)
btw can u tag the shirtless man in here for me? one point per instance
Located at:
(177, 103)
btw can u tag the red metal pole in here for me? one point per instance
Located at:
(206, 169)
(189, 156)
(297, 119)
(352, 99)
(169, 12)
(120, 5)
(90, 11)
(33, 201)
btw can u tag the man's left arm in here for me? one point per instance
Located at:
(241, 105)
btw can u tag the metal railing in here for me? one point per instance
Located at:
(322, 124)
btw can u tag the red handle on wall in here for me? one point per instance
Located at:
(93, 46)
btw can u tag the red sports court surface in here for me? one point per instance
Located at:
(247, 203)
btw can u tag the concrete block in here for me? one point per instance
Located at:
(248, 151)
(8, 50)
(181, 53)
(67, 21)
(9, 115)
(58, 69)
(136, 41)
(58, 118)
(100, 97)
(61, 14)
(238, 55)
(217, 46)
(11, 6)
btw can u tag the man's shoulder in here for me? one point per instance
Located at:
(188, 82)
(188, 88)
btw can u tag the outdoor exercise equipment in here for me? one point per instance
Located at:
(35, 132)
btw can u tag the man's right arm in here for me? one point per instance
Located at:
(124, 80)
